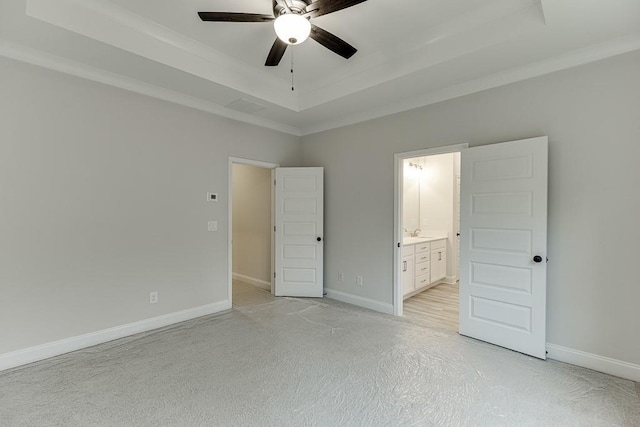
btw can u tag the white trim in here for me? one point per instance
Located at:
(56, 348)
(568, 60)
(260, 164)
(450, 280)
(607, 49)
(397, 213)
(116, 26)
(596, 362)
(252, 281)
(360, 301)
(52, 62)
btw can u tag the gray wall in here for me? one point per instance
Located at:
(252, 222)
(103, 200)
(591, 115)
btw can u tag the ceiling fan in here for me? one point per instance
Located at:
(292, 26)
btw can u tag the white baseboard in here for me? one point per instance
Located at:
(252, 281)
(56, 348)
(596, 362)
(360, 301)
(450, 280)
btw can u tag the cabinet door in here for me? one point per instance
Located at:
(407, 275)
(438, 264)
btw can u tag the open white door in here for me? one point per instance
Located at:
(503, 271)
(299, 232)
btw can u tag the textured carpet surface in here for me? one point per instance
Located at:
(294, 362)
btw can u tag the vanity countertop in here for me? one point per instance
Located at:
(422, 239)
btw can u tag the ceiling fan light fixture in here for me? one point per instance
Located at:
(292, 28)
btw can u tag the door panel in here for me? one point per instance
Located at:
(299, 225)
(503, 209)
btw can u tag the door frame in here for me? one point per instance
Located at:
(398, 174)
(260, 164)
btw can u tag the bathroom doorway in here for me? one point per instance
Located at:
(428, 219)
(250, 231)
(503, 218)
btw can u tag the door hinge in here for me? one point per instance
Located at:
(274, 274)
(274, 182)
(274, 228)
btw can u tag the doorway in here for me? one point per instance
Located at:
(503, 223)
(251, 245)
(426, 229)
(430, 229)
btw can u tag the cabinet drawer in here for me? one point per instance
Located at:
(422, 257)
(422, 281)
(407, 250)
(439, 244)
(422, 268)
(423, 247)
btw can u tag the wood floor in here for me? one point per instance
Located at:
(436, 307)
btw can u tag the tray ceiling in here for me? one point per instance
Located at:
(422, 52)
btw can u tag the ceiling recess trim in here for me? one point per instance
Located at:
(119, 27)
(600, 51)
(115, 26)
(52, 62)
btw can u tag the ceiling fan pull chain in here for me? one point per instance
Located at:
(292, 68)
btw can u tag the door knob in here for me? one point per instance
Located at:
(537, 259)
(319, 239)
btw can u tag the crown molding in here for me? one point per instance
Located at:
(489, 26)
(579, 57)
(607, 49)
(52, 62)
(116, 26)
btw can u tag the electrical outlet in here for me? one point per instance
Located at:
(212, 226)
(359, 280)
(340, 277)
(212, 197)
(153, 297)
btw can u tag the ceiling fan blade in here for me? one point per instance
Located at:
(276, 53)
(331, 42)
(323, 7)
(234, 17)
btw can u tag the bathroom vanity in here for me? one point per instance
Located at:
(424, 263)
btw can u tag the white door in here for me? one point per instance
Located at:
(503, 271)
(299, 232)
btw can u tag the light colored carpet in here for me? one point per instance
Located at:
(294, 362)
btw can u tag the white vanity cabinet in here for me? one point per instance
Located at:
(423, 264)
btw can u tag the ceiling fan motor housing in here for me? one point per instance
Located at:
(296, 6)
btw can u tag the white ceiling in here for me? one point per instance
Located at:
(410, 53)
